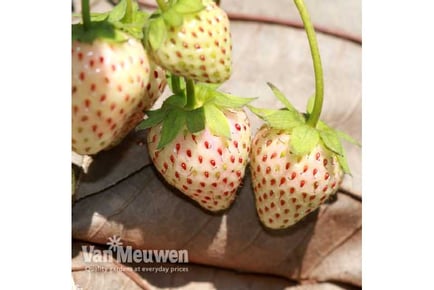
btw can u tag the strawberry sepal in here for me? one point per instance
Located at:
(208, 112)
(108, 25)
(303, 136)
(164, 19)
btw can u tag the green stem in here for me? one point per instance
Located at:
(162, 4)
(191, 98)
(128, 18)
(176, 85)
(319, 83)
(85, 14)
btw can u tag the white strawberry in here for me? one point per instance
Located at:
(288, 186)
(207, 168)
(108, 85)
(200, 142)
(295, 167)
(154, 89)
(113, 80)
(191, 38)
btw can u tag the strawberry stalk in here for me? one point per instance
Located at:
(191, 98)
(85, 14)
(128, 18)
(319, 83)
(176, 84)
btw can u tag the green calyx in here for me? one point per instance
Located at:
(126, 17)
(170, 15)
(206, 110)
(304, 137)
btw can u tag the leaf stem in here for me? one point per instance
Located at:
(319, 82)
(191, 98)
(162, 4)
(85, 14)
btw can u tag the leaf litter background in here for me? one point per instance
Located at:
(122, 194)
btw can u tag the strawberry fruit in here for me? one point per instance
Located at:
(112, 79)
(154, 89)
(288, 186)
(202, 149)
(191, 38)
(295, 167)
(108, 84)
(207, 168)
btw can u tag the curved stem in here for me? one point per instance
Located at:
(162, 4)
(319, 83)
(85, 14)
(277, 21)
(191, 99)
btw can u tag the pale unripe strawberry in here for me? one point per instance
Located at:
(295, 165)
(207, 168)
(109, 81)
(154, 89)
(200, 48)
(288, 187)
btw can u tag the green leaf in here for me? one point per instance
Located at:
(344, 164)
(196, 120)
(331, 141)
(188, 6)
(209, 86)
(135, 28)
(283, 119)
(347, 138)
(131, 29)
(157, 32)
(178, 101)
(172, 125)
(303, 139)
(230, 101)
(216, 121)
(310, 104)
(97, 30)
(94, 16)
(282, 98)
(261, 113)
(203, 93)
(172, 18)
(118, 12)
(279, 119)
(154, 118)
(324, 127)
